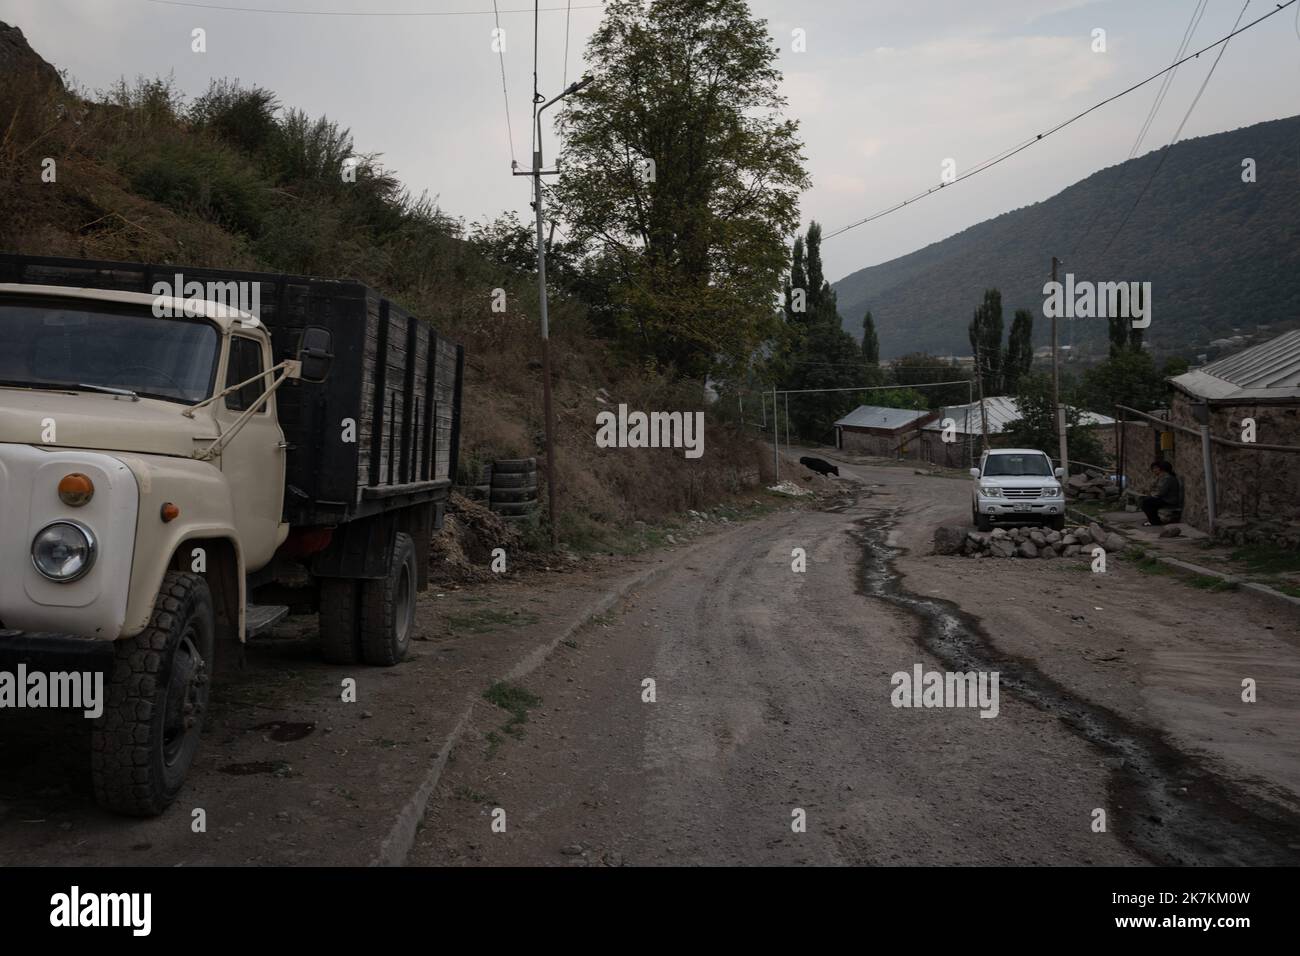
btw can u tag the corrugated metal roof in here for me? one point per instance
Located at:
(1001, 411)
(876, 416)
(1269, 370)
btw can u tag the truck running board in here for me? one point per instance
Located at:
(262, 617)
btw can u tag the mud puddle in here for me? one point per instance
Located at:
(1174, 810)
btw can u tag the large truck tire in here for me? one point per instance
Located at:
(519, 479)
(340, 620)
(513, 466)
(388, 608)
(145, 740)
(514, 495)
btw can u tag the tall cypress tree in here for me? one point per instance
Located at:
(986, 341)
(870, 341)
(1020, 349)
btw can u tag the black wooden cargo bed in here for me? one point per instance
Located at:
(406, 408)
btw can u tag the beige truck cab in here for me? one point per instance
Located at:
(151, 494)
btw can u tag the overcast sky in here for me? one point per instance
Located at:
(885, 92)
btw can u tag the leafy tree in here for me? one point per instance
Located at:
(798, 280)
(921, 368)
(870, 341)
(1126, 378)
(1020, 348)
(678, 161)
(828, 358)
(1036, 427)
(986, 341)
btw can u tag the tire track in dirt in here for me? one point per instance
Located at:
(1171, 808)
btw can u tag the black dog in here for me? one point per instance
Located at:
(819, 466)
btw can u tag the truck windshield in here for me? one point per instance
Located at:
(1015, 466)
(63, 343)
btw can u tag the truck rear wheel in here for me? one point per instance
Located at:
(388, 608)
(144, 742)
(339, 620)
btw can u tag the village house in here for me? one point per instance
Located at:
(1248, 399)
(958, 445)
(881, 432)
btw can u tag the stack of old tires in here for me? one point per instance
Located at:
(513, 490)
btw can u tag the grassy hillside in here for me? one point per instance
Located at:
(233, 179)
(1220, 254)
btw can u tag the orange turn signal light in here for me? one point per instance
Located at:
(169, 511)
(75, 489)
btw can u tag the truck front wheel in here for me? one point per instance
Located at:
(388, 607)
(145, 740)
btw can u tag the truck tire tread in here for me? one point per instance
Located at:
(126, 770)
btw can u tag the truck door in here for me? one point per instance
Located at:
(254, 460)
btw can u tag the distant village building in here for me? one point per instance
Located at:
(881, 432)
(955, 445)
(1252, 488)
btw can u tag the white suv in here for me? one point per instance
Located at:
(1018, 484)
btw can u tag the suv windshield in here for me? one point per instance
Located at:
(1017, 466)
(64, 343)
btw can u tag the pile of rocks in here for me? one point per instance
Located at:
(1094, 487)
(1027, 542)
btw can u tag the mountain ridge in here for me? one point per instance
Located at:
(1220, 253)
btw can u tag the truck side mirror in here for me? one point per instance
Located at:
(974, 472)
(314, 353)
(1059, 472)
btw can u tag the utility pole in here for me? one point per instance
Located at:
(1056, 390)
(984, 415)
(537, 173)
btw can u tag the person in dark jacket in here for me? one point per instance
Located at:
(1168, 493)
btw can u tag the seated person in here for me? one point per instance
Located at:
(1168, 493)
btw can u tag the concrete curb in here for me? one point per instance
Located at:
(397, 844)
(1253, 586)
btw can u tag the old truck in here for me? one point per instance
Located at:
(185, 455)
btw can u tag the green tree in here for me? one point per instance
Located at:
(827, 358)
(870, 341)
(1020, 348)
(986, 341)
(679, 161)
(922, 369)
(1126, 378)
(1036, 426)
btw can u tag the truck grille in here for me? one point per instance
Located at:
(1022, 492)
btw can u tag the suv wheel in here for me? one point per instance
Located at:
(983, 522)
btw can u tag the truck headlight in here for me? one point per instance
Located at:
(63, 551)
(1052, 491)
(990, 491)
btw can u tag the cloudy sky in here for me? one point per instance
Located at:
(885, 91)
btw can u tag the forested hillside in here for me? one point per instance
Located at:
(1221, 254)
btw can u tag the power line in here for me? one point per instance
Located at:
(1060, 126)
(1197, 12)
(501, 56)
(357, 13)
(1177, 133)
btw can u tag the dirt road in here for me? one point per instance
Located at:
(768, 734)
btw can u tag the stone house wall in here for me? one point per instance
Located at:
(1251, 486)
